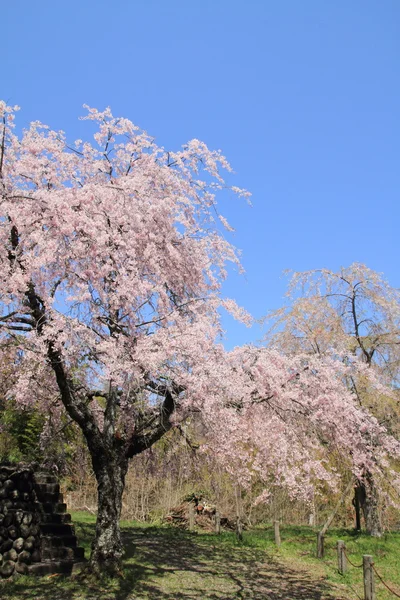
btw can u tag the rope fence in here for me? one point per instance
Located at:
(384, 583)
(369, 570)
(349, 561)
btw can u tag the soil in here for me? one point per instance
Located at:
(189, 568)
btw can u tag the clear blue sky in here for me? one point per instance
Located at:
(301, 95)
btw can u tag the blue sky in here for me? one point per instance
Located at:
(301, 96)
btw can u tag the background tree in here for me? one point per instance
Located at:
(354, 312)
(289, 415)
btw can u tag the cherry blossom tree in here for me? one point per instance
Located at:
(355, 313)
(288, 420)
(112, 259)
(111, 265)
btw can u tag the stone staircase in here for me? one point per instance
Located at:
(59, 552)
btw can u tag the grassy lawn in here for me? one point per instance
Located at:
(299, 548)
(166, 563)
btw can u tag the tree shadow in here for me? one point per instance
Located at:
(170, 564)
(226, 572)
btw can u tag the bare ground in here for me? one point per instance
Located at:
(189, 568)
(165, 565)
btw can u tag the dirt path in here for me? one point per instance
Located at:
(167, 564)
(189, 568)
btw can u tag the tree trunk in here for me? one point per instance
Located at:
(369, 500)
(356, 504)
(107, 547)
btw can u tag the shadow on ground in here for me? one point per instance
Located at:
(168, 564)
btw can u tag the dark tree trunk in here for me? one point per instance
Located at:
(356, 504)
(369, 502)
(370, 509)
(107, 547)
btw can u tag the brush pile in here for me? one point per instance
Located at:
(204, 515)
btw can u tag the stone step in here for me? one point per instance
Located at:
(53, 497)
(55, 518)
(50, 507)
(50, 488)
(62, 553)
(57, 529)
(45, 478)
(61, 566)
(51, 541)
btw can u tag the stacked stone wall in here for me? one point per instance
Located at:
(36, 533)
(19, 521)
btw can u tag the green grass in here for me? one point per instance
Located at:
(299, 547)
(166, 563)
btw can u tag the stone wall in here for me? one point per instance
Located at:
(36, 534)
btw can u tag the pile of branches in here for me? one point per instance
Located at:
(204, 515)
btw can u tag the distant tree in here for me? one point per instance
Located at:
(291, 419)
(355, 313)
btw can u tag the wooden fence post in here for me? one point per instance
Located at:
(239, 529)
(320, 544)
(277, 533)
(191, 516)
(217, 523)
(341, 557)
(369, 581)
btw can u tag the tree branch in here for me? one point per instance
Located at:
(141, 442)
